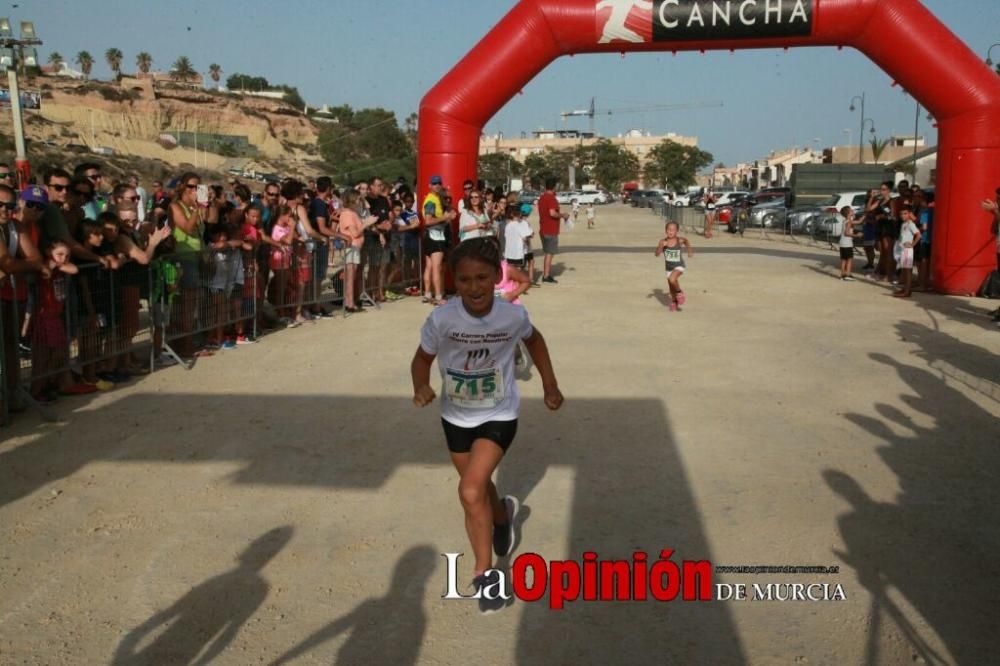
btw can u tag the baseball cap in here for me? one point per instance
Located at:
(35, 194)
(436, 180)
(525, 209)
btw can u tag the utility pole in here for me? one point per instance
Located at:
(16, 47)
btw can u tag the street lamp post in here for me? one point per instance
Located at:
(16, 47)
(861, 134)
(864, 122)
(989, 60)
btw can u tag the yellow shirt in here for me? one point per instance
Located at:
(432, 202)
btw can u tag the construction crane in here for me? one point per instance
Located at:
(591, 112)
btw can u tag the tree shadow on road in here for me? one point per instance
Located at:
(199, 626)
(936, 544)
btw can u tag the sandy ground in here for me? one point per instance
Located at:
(287, 498)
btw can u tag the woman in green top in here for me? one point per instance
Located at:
(188, 219)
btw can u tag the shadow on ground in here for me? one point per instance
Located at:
(935, 546)
(630, 492)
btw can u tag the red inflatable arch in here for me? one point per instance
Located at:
(900, 36)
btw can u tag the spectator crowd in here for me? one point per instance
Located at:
(96, 274)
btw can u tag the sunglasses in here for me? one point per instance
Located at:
(59, 188)
(128, 220)
(130, 198)
(9, 205)
(270, 194)
(191, 186)
(34, 205)
(86, 195)
(5, 174)
(94, 176)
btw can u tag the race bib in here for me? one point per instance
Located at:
(672, 254)
(474, 389)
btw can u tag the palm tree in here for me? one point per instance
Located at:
(56, 60)
(878, 147)
(114, 58)
(144, 62)
(183, 70)
(215, 71)
(86, 63)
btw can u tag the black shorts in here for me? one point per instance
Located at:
(460, 439)
(922, 251)
(432, 246)
(528, 256)
(846, 252)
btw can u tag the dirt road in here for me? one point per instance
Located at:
(286, 498)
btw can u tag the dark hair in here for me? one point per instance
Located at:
(485, 249)
(80, 180)
(291, 189)
(119, 190)
(550, 183)
(846, 211)
(217, 190)
(217, 230)
(242, 193)
(85, 227)
(166, 246)
(8, 190)
(182, 182)
(55, 173)
(906, 208)
(323, 184)
(107, 217)
(889, 184)
(86, 166)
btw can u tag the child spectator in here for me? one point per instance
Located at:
(591, 214)
(280, 263)
(166, 286)
(352, 228)
(50, 344)
(225, 285)
(253, 288)
(517, 233)
(909, 236)
(671, 248)
(408, 230)
(846, 244)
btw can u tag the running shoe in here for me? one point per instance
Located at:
(165, 361)
(550, 280)
(847, 278)
(480, 583)
(228, 344)
(503, 535)
(681, 298)
(246, 339)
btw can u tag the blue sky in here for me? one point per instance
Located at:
(389, 52)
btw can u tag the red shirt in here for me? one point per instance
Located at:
(549, 224)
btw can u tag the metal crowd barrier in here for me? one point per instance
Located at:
(92, 321)
(391, 268)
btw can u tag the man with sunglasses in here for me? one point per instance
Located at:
(269, 207)
(6, 176)
(18, 255)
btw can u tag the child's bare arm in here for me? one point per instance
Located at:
(659, 247)
(420, 372)
(540, 355)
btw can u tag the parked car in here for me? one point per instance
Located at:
(646, 198)
(528, 197)
(725, 198)
(592, 196)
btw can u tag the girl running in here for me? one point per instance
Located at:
(474, 338)
(672, 248)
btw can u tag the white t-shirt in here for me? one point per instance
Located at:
(907, 232)
(475, 356)
(846, 234)
(515, 233)
(590, 212)
(469, 218)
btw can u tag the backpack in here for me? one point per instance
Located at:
(990, 288)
